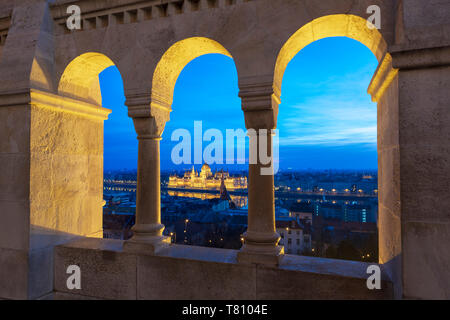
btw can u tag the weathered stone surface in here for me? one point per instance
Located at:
(201, 274)
(340, 268)
(423, 25)
(13, 274)
(14, 183)
(389, 195)
(15, 226)
(278, 284)
(105, 273)
(71, 297)
(424, 102)
(390, 247)
(389, 180)
(426, 262)
(66, 172)
(40, 273)
(14, 129)
(14, 175)
(424, 144)
(388, 118)
(173, 279)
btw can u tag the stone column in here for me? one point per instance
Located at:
(411, 89)
(423, 102)
(149, 125)
(260, 105)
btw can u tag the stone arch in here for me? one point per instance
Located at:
(174, 60)
(356, 28)
(339, 25)
(80, 78)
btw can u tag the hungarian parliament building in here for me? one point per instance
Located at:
(206, 180)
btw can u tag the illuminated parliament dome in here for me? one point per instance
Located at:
(206, 180)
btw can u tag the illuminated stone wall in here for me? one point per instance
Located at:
(66, 182)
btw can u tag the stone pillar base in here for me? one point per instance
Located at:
(149, 246)
(269, 256)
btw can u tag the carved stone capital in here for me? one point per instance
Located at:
(260, 105)
(149, 128)
(149, 115)
(138, 105)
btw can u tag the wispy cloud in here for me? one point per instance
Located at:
(333, 137)
(337, 114)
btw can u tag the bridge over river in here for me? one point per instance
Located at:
(286, 194)
(130, 186)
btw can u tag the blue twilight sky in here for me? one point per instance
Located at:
(326, 119)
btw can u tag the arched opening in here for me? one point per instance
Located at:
(327, 125)
(340, 25)
(197, 77)
(120, 159)
(120, 148)
(174, 60)
(80, 79)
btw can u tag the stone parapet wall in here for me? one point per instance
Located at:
(196, 273)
